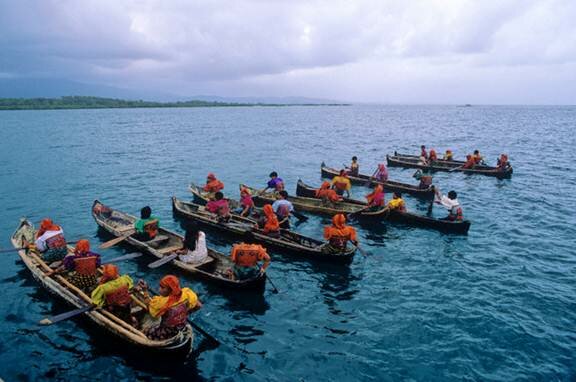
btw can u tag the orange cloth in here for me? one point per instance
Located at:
(376, 197)
(470, 161)
(271, 224)
(324, 192)
(82, 246)
(433, 155)
(109, 272)
(213, 185)
(248, 255)
(171, 282)
(339, 228)
(47, 225)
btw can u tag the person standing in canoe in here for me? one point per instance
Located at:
(397, 203)
(50, 242)
(327, 195)
(451, 203)
(82, 266)
(375, 199)
(113, 293)
(425, 178)
(246, 258)
(219, 206)
(339, 234)
(269, 222)
(246, 203)
(448, 155)
(354, 168)
(381, 173)
(194, 250)
(341, 184)
(147, 226)
(213, 185)
(275, 183)
(283, 208)
(169, 311)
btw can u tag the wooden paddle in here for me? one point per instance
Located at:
(275, 290)
(162, 261)
(362, 252)
(115, 241)
(299, 216)
(66, 315)
(129, 256)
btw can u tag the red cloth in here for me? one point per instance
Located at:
(171, 282)
(271, 224)
(109, 272)
(339, 229)
(82, 246)
(47, 225)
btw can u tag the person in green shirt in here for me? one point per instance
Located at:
(114, 293)
(147, 226)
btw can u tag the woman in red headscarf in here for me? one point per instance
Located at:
(339, 234)
(113, 293)
(171, 307)
(81, 266)
(269, 223)
(213, 184)
(327, 194)
(50, 241)
(246, 202)
(376, 197)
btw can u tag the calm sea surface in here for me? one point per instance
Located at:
(498, 304)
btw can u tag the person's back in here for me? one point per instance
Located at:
(327, 194)
(397, 203)
(147, 226)
(283, 208)
(433, 157)
(275, 183)
(113, 292)
(448, 155)
(376, 197)
(50, 242)
(339, 234)
(269, 223)
(194, 248)
(213, 184)
(341, 184)
(424, 177)
(245, 258)
(470, 162)
(219, 206)
(82, 266)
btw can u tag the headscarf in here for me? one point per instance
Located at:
(82, 246)
(271, 219)
(109, 272)
(245, 191)
(325, 186)
(377, 191)
(171, 282)
(47, 225)
(338, 221)
(211, 176)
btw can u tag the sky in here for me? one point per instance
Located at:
(376, 51)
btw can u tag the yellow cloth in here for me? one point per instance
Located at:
(395, 204)
(341, 179)
(99, 294)
(158, 302)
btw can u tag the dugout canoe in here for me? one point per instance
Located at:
(389, 185)
(214, 270)
(406, 218)
(243, 227)
(317, 205)
(412, 161)
(111, 324)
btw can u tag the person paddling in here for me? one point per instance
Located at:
(219, 206)
(269, 222)
(381, 173)
(246, 203)
(354, 168)
(341, 184)
(275, 183)
(339, 234)
(246, 258)
(168, 312)
(425, 178)
(375, 199)
(113, 293)
(451, 203)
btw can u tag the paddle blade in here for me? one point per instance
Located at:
(65, 316)
(162, 261)
(45, 321)
(113, 242)
(129, 256)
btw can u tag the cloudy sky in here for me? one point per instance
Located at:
(385, 51)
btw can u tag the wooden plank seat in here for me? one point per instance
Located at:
(157, 240)
(169, 249)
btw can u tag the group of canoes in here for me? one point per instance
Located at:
(260, 219)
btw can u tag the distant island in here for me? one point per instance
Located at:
(86, 102)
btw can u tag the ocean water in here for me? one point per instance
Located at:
(497, 304)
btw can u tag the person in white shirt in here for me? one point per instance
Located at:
(283, 208)
(50, 242)
(451, 203)
(194, 250)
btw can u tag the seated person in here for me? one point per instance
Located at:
(82, 266)
(423, 152)
(448, 155)
(194, 250)
(339, 234)
(375, 199)
(432, 156)
(269, 222)
(245, 258)
(502, 163)
(147, 226)
(452, 204)
(397, 203)
(327, 194)
(212, 184)
(50, 242)
(425, 178)
(219, 206)
(381, 173)
(169, 311)
(275, 183)
(470, 162)
(341, 184)
(246, 203)
(113, 293)
(283, 208)
(478, 159)
(354, 168)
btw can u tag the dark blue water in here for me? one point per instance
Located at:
(497, 304)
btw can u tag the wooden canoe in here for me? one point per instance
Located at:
(288, 241)
(113, 325)
(412, 161)
(317, 205)
(119, 224)
(202, 197)
(407, 218)
(366, 180)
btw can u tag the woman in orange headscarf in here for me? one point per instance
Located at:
(50, 241)
(339, 234)
(376, 197)
(325, 193)
(171, 307)
(269, 223)
(213, 184)
(113, 293)
(82, 266)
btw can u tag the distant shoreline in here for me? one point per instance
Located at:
(87, 102)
